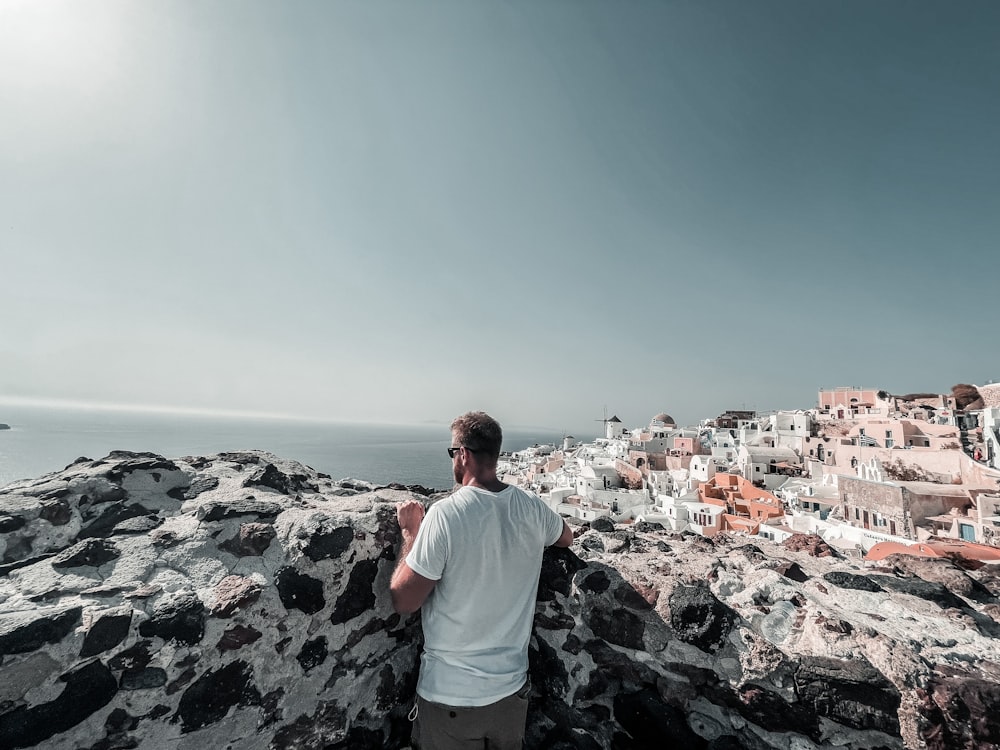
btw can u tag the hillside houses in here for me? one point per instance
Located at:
(861, 468)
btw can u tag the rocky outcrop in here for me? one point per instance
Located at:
(967, 397)
(240, 601)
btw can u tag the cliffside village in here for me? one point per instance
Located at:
(870, 472)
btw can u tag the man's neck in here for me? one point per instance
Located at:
(488, 482)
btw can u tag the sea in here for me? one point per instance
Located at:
(46, 439)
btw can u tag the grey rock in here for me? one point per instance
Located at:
(29, 630)
(90, 552)
(699, 618)
(177, 617)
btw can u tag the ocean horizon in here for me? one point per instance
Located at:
(44, 439)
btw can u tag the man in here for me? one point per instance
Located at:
(472, 563)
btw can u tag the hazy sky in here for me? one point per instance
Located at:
(398, 211)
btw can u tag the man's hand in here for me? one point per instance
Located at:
(410, 514)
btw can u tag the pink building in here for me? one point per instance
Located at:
(845, 402)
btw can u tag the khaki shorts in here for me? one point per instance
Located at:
(498, 726)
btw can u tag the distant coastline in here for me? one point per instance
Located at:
(48, 439)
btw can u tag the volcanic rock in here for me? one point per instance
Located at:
(241, 601)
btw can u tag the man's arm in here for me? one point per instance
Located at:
(566, 538)
(408, 588)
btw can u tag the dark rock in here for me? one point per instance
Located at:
(731, 742)
(416, 489)
(327, 724)
(270, 706)
(237, 637)
(11, 523)
(359, 738)
(198, 486)
(7, 568)
(252, 540)
(751, 552)
(116, 731)
(19, 634)
(87, 690)
(546, 670)
(273, 478)
(137, 525)
(850, 692)
(572, 644)
(559, 565)
(143, 679)
(774, 713)
(603, 524)
(240, 458)
(592, 543)
(620, 627)
(373, 626)
(959, 710)
(699, 618)
(180, 617)
(358, 596)
(392, 691)
(157, 711)
(557, 621)
(647, 527)
(619, 666)
(216, 510)
(135, 657)
(595, 583)
(93, 552)
(918, 587)
(105, 633)
(299, 591)
(651, 723)
(596, 686)
(792, 571)
(18, 554)
(180, 681)
(127, 462)
(105, 522)
(212, 695)
(851, 581)
(326, 545)
(836, 625)
(57, 513)
(313, 653)
(631, 598)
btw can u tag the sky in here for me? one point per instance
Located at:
(396, 212)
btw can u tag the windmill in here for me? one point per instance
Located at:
(606, 421)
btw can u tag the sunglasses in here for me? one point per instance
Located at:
(453, 451)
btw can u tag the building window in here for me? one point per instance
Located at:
(888, 433)
(857, 514)
(889, 442)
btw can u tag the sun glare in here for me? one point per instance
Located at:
(72, 47)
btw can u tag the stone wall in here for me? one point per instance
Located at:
(240, 601)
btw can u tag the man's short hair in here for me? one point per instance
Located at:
(479, 432)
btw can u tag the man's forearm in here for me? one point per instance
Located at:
(404, 549)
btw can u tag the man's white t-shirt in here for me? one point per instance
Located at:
(485, 550)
